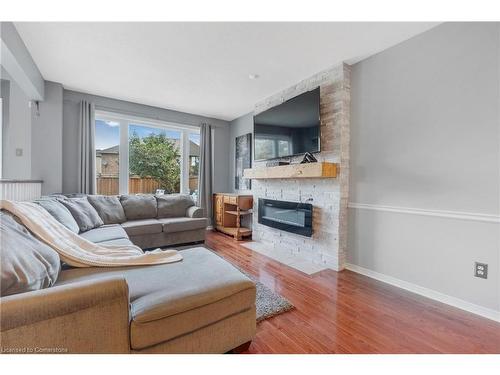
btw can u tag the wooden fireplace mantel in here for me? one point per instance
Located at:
(307, 170)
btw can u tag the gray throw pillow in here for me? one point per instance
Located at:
(85, 215)
(139, 206)
(60, 213)
(26, 264)
(109, 208)
(173, 205)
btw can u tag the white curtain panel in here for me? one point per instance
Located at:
(205, 177)
(86, 149)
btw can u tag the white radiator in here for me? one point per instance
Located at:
(20, 190)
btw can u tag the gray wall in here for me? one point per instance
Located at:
(240, 126)
(47, 135)
(16, 130)
(4, 94)
(424, 135)
(71, 101)
(21, 82)
(17, 60)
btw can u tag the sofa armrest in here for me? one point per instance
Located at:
(195, 212)
(81, 317)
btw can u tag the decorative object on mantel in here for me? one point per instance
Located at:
(242, 160)
(307, 170)
(228, 211)
(308, 158)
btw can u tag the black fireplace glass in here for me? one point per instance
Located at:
(288, 216)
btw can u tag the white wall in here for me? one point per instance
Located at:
(425, 135)
(46, 131)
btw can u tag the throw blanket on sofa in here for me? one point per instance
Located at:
(77, 251)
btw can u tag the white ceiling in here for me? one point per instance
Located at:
(200, 68)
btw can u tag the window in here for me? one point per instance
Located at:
(107, 144)
(194, 163)
(136, 155)
(154, 159)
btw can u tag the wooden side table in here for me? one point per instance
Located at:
(228, 211)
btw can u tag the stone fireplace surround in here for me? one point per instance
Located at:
(329, 196)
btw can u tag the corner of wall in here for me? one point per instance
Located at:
(47, 144)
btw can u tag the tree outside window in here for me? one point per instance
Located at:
(155, 156)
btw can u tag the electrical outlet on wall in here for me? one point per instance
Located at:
(481, 270)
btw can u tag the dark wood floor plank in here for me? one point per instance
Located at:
(344, 312)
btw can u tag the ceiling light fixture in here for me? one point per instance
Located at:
(253, 76)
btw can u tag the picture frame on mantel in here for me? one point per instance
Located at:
(242, 160)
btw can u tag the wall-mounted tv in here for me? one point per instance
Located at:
(291, 128)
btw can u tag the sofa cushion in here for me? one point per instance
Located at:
(194, 211)
(140, 227)
(170, 300)
(117, 242)
(173, 205)
(181, 224)
(60, 213)
(26, 263)
(85, 215)
(139, 206)
(105, 233)
(109, 208)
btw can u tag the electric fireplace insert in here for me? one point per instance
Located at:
(288, 216)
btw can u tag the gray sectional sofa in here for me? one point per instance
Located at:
(199, 305)
(148, 221)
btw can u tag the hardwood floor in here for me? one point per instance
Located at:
(344, 312)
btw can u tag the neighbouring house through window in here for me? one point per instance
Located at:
(136, 155)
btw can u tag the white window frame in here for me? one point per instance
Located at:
(125, 121)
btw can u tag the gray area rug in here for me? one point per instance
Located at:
(268, 303)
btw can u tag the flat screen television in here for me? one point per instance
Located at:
(291, 128)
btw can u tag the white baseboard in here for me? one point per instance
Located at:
(429, 293)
